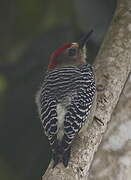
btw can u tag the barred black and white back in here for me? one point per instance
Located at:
(64, 102)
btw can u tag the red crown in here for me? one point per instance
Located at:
(53, 61)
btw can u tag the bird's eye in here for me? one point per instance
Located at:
(72, 51)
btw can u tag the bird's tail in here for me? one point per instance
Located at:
(61, 152)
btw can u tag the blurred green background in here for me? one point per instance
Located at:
(29, 31)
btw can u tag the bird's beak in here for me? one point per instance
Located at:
(83, 41)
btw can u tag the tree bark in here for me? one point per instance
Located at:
(112, 67)
(113, 158)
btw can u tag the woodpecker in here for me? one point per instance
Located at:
(66, 97)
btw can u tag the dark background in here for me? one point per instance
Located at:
(29, 31)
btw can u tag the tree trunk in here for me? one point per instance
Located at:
(113, 158)
(112, 67)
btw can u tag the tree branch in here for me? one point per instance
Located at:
(112, 67)
(112, 161)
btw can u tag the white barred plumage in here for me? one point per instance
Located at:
(72, 89)
(66, 97)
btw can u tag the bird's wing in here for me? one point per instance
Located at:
(46, 104)
(56, 86)
(80, 106)
(48, 116)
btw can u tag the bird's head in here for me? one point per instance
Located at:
(70, 53)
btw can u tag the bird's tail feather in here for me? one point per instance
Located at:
(61, 153)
